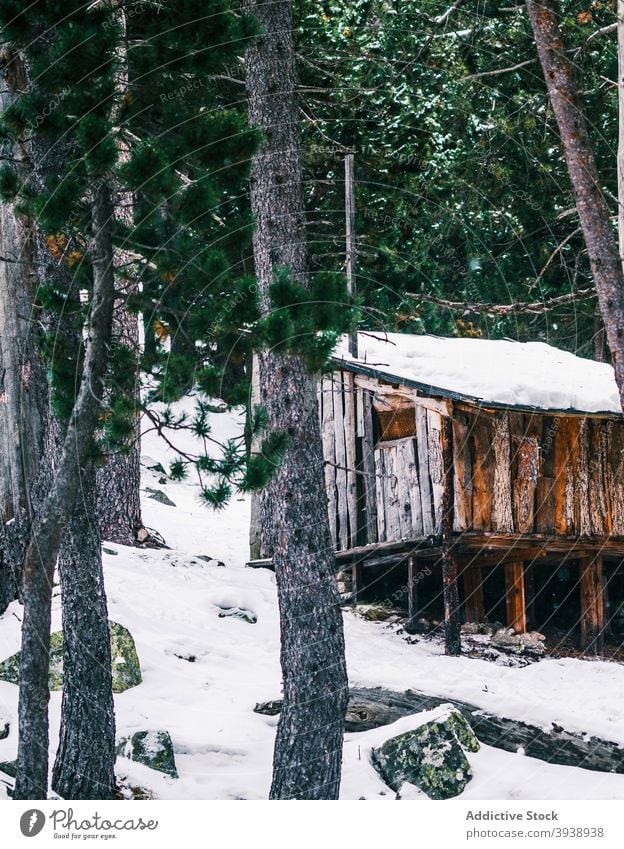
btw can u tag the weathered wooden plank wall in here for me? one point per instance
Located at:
(513, 471)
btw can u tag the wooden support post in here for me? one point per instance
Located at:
(356, 581)
(412, 593)
(529, 594)
(592, 604)
(514, 596)
(474, 605)
(452, 624)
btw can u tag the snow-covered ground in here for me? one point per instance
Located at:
(203, 673)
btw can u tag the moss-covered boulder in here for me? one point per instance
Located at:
(9, 768)
(125, 662)
(431, 757)
(151, 748)
(124, 659)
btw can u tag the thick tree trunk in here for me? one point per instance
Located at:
(293, 511)
(593, 211)
(42, 552)
(85, 759)
(119, 479)
(23, 386)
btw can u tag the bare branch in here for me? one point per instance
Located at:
(536, 308)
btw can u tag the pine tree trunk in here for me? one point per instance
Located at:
(23, 385)
(85, 759)
(119, 479)
(593, 211)
(52, 519)
(293, 511)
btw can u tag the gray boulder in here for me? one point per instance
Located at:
(151, 748)
(430, 757)
(160, 496)
(507, 640)
(125, 662)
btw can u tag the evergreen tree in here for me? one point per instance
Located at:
(293, 511)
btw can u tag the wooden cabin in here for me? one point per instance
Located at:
(478, 463)
(501, 456)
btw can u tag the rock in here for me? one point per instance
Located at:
(4, 731)
(9, 768)
(238, 613)
(374, 612)
(126, 669)
(160, 496)
(473, 628)
(507, 640)
(212, 560)
(430, 757)
(110, 551)
(422, 625)
(269, 708)
(124, 659)
(151, 748)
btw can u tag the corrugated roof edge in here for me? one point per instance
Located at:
(438, 392)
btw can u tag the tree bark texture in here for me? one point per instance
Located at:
(293, 511)
(43, 549)
(85, 759)
(119, 479)
(23, 385)
(593, 211)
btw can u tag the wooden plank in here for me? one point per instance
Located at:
(413, 485)
(545, 505)
(436, 466)
(482, 473)
(368, 465)
(462, 475)
(351, 457)
(525, 485)
(599, 517)
(329, 453)
(592, 605)
(616, 475)
(582, 517)
(474, 606)
(514, 597)
(546, 482)
(380, 494)
(564, 509)
(341, 462)
(423, 470)
(502, 518)
(392, 500)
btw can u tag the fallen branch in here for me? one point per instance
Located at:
(536, 308)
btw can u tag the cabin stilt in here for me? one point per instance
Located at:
(356, 581)
(412, 592)
(474, 606)
(529, 594)
(592, 604)
(515, 599)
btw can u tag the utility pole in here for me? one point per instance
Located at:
(350, 240)
(620, 151)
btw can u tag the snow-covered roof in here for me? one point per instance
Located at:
(500, 372)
